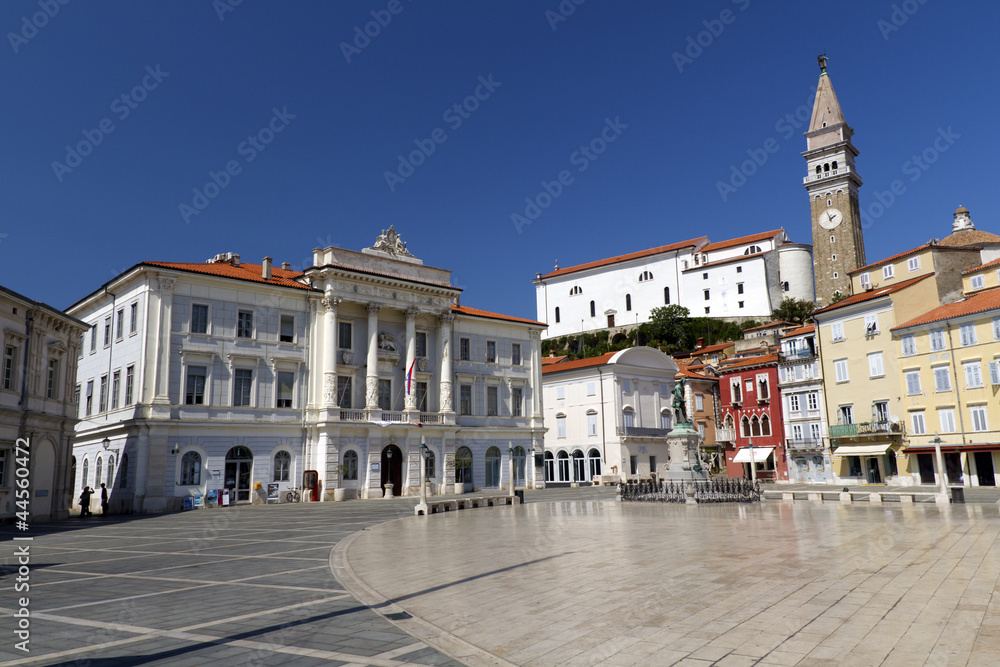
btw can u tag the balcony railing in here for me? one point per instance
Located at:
(725, 435)
(865, 429)
(827, 174)
(642, 432)
(796, 355)
(804, 443)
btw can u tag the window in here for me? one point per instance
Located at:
(52, 381)
(666, 295)
(244, 324)
(737, 391)
(888, 272)
(875, 369)
(90, 398)
(93, 337)
(704, 276)
(129, 384)
(707, 309)
(628, 418)
(349, 468)
(191, 469)
(465, 399)
(840, 368)
(463, 465)
(973, 375)
(977, 282)
(880, 411)
(344, 392)
(385, 394)
(97, 470)
(968, 332)
(765, 425)
(739, 288)
(745, 427)
(491, 401)
(103, 405)
(491, 351)
(516, 402)
(942, 379)
(946, 420)
(865, 279)
(593, 309)
(123, 479)
(84, 479)
(561, 392)
(199, 318)
(871, 324)
(422, 396)
(576, 289)
(937, 340)
(628, 302)
(242, 386)
(913, 264)
(994, 373)
(644, 276)
(345, 336)
(116, 384)
(814, 432)
(557, 314)
(909, 345)
(111, 470)
(837, 331)
(699, 402)
(996, 328)
(754, 426)
(627, 386)
(812, 400)
(793, 403)
(9, 361)
(76, 401)
(107, 331)
(421, 340)
(282, 467)
(591, 423)
(120, 324)
(912, 383)
(515, 354)
(591, 388)
(708, 294)
(739, 269)
(429, 465)
(666, 421)
(978, 414)
(463, 349)
(560, 426)
(652, 464)
(845, 414)
(796, 432)
(195, 393)
(286, 329)
(763, 391)
(633, 465)
(286, 380)
(917, 422)
(133, 319)
(752, 250)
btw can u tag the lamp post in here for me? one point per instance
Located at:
(510, 466)
(753, 465)
(940, 463)
(425, 454)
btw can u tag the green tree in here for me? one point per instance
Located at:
(837, 296)
(794, 310)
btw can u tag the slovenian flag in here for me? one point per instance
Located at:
(409, 378)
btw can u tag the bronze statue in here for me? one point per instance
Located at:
(680, 404)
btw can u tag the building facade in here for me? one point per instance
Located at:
(751, 412)
(800, 382)
(37, 407)
(253, 378)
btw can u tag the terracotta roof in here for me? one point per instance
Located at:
(718, 347)
(772, 325)
(546, 361)
(742, 362)
(987, 265)
(578, 363)
(801, 330)
(475, 312)
(245, 271)
(977, 303)
(721, 245)
(874, 294)
(968, 237)
(890, 259)
(625, 258)
(687, 372)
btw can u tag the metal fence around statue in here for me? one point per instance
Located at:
(729, 490)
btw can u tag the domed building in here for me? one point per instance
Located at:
(964, 234)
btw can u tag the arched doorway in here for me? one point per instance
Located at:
(579, 467)
(392, 469)
(519, 466)
(44, 460)
(239, 467)
(594, 459)
(493, 468)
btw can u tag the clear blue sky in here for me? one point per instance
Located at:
(321, 180)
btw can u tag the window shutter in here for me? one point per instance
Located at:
(912, 383)
(994, 372)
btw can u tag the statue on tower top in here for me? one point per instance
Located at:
(390, 242)
(821, 59)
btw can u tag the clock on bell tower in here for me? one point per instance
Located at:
(832, 181)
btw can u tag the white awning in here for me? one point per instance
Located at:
(760, 454)
(861, 450)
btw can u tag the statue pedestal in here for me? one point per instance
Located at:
(685, 462)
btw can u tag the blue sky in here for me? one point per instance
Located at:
(201, 77)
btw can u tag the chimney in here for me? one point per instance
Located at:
(236, 259)
(286, 266)
(700, 344)
(265, 268)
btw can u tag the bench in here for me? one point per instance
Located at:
(451, 505)
(909, 497)
(874, 497)
(814, 496)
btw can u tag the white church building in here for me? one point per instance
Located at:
(197, 377)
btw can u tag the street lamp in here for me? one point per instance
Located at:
(425, 455)
(940, 462)
(510, 466)
(753, 466)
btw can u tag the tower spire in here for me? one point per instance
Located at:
(826, 108)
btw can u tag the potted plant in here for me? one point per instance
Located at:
(340, 493)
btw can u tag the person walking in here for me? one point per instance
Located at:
(104, 500)
(85, 502)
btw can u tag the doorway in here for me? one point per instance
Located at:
(874, 475)
(953, 465)
(611, 321)
(239, 467)
(520, 460)
(42, 477)
(925, 463)
(392, 469)
(984, 469)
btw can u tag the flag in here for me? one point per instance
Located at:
(409, 378)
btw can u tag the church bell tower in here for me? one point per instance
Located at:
(832, 181)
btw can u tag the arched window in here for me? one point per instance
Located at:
(752, 250)
(593, 309)
(557, 314)
(429, 464)
(644, 276)
(111, 470)
(765, 425)
(86, 474)
(97, 471)
(819, 170)
(628, 418)
(728, 423)
(563, 469)
(550, 467)
(493, 467)
(628, 302)
(123, 478)
(745, 427)
(191, 469)
(594, 457)
(520, 463)
(579, 467)
(754, 426)
(834, 165)
(666, 419)
(826, 167)
(576, 289)
(282, 467)
(666, 295)
(463, 465)
(349, 468)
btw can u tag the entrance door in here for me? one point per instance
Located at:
(519, 465)
(611, 321)
(984, 469)
(926, 464)
(874, 476)
(239, 466)
(42, 478)
(392, 469)
(953, 464)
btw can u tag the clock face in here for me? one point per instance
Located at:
(830, 218)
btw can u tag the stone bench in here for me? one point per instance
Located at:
(909, 497)
(814, 496)
(451, 505)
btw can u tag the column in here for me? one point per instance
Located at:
(536, 374)
(161, 389)
(411, 356)
(331, 303)
(371, 379)
(444, 335)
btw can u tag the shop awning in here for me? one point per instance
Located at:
(861, 450)
(760, 454)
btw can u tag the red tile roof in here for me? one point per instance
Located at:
(475, 312)
(987, 265)
(911, 252)
(743, 362)
(801, 330)
(977, 303)
(687, 372)
(245, 271)
(874, 294)
(547, 361)
(762, 236)
(578, 363)
(625, 258)
(968, 237)
(772, 325)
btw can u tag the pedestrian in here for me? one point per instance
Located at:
(104, 500)
(85, 502)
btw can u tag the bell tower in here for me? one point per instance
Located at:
(832, 181)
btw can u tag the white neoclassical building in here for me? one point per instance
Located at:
(37, 413)
(740, 278)
(608, 416)
(197, 377)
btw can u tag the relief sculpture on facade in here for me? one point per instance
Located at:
(330, 388)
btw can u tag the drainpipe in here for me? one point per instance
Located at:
(23, 402)
(954, 372)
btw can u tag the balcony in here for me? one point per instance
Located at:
(827, 174)
(797, 355)
(725, 435)
(866, 429)
(804, 443)
(642, 432)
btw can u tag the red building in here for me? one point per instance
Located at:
(751, 411)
